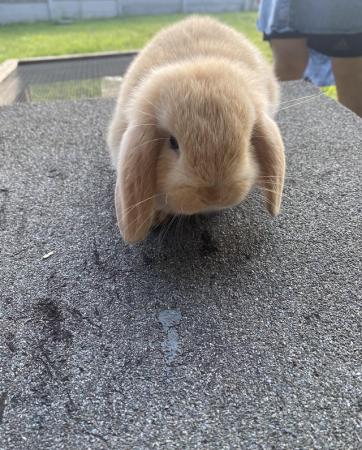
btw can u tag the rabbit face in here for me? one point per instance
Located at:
(205, 163)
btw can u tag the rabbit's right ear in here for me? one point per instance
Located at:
(136, 182)
(269, 151)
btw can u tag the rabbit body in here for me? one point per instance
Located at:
(193, 128)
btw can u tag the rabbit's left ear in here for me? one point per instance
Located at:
(269, 151)
(136, 182)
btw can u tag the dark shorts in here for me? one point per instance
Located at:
(335, 45)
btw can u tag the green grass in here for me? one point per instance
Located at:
(66, 90)
(44, 39)
(331, 91)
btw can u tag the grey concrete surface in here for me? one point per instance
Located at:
(230, 332)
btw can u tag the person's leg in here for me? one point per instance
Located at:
(348, 76)
(290, 57)
(345, 51)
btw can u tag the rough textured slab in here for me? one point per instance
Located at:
(235, 331)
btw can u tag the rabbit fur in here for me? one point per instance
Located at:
(193, 129)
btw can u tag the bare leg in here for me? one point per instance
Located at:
(290, 58)
(348, 76)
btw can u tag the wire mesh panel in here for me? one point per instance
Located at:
(65, 79)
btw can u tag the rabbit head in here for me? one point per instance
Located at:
(198, 138)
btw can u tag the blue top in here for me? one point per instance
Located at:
(311, 16)
(326, 16)
(274, 15)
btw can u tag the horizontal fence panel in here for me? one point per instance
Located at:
(151, 7)
(208, 6)
(68, 9)
(213, 6)
(93, 9)
(24, 2)
(23, 12)
(86, 9)
(57, 10)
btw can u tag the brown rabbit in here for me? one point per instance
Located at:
(193, 129)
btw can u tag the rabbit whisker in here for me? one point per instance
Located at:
(130, 208)
(135, 220)
(179, 225)
(148, 142)
(271, 184)
(299, 103)
(276, 179)
(167, 229)
(140, 125)
(150, 103)
(275, 176)
(301, 98)
(275, 192)
(145, 221)
(259, 196)
(145, 113)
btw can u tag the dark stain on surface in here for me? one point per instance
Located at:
(50, 311)
(311, 318)
(9, 340)
(56, 173)
(96, 255)
(97, 436)
(76, 313)
(3, 397)
(52, 317)
(359, 405)
(147, 260)
(4, 196)
(208, 244)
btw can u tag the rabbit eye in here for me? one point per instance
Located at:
(174, 144)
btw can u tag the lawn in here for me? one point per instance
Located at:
(44, 39)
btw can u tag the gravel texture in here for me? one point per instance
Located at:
(235, 331)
